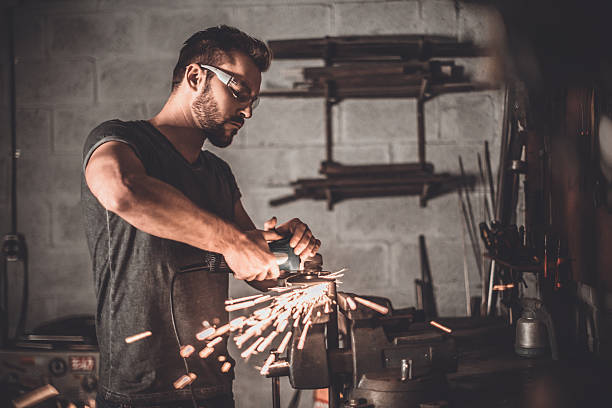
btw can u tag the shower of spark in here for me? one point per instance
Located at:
(279, 311)
(294, 303)
(283, 309)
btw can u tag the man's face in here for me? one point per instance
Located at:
(216, 110)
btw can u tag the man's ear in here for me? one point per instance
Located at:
(194, 76)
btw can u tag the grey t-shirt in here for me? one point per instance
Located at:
(133, 272)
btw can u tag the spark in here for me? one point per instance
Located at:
(222, 330)
(187, 350)
(251, 349)
(303, 336)
(503, 287)
(243, 299)
(351, 303)
(281, 348)
(205, 352)
(264, 344)
(214, 342)
(372, 305)
(136, 337)
(439, 326)
(184, 380)
(237, 323)
(282, 309)
(206, 333)
(266, 366)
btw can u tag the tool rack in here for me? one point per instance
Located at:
(389, 66)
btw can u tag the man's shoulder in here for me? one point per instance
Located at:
(112, 130)
(113, 127)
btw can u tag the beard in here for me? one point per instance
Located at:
(211, 121)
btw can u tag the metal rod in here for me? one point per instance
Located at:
(473, 239)
(483, 181)
(13, 90)
(491, 279)
(490, 178)
(276, 392)
(328, 122)
(421, 121)
(466, 274)
(333, 344)
(471, 220)
(421, 130)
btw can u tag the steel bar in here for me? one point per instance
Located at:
(466, 217)
(13, 95)
(329, 91)
(483, 182)
(490, 177)
(504, 153)
(490, 294)
(466, 274)
(429, 300)
(333, 345)
(421, 121)
(470, 220)
(276, 392)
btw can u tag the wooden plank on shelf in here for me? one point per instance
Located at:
(380, 91)
(336, 169)
(407, 46)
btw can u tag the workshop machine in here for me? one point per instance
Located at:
(62, 353)
(365, 358)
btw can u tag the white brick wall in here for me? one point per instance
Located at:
(85, 61)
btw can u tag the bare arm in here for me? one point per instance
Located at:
(245, 223)
(302, 240)
(117, 178)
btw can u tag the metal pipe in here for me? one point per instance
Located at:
(421, 121)
(276, 392)
(333, 344)
(491, 279)
(466, 273)
(469, 214)
(329, 142)
(13, 91)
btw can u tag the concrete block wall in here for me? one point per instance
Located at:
(81, 62)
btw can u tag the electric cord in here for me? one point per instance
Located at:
(176, 334)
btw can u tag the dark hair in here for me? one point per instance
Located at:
(210, 45)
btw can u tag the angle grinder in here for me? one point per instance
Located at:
(288, 262)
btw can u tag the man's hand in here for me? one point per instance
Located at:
(251, 259)
(302, 241)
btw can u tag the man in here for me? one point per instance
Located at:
(154, 202)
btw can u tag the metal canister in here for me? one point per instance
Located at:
(531, 336)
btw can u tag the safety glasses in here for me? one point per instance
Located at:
(241, 93)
